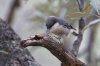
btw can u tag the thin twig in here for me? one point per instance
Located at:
(14, 5)
(80, 4)
(78, 41)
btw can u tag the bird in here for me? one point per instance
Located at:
(58, 27)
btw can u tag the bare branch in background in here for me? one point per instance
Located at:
(80, 4)
(78, 41)
(90, 45)
(14, 4)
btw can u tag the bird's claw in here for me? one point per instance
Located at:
(56, 39)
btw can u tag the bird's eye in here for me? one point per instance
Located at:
(64, 26)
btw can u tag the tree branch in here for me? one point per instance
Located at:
(14, 4)
(78, 41)
(66, 57)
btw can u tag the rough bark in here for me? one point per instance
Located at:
(65, 56)
(11, 53)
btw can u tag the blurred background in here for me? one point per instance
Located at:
(27, 18)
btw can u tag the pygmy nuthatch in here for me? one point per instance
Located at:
(58, 26)
(58, 29)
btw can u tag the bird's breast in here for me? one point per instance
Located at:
(58, 29)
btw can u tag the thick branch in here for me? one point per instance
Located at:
(66, 57)
(11, 53)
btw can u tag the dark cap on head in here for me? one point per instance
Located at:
(51, 20)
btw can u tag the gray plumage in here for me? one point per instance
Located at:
(58, 29)
(51, 20)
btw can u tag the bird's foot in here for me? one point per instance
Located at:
(54, 37)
